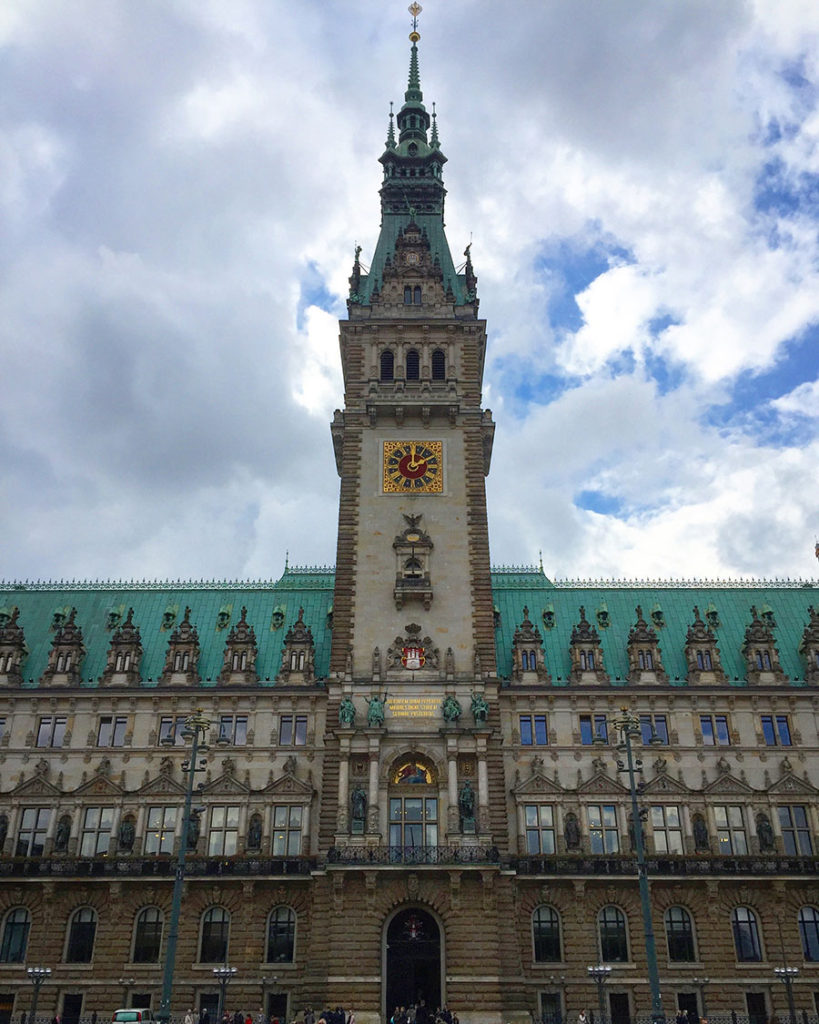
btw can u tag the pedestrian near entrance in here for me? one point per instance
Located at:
(581, 1018)
(189, 1016)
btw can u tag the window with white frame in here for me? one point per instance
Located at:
(97, 823)
(51, 731)
(160, 830)
(287, 826)
(31, 834)
(604, 836)
(731, 835)
(223, 839)
(540, 828)
(667, 827)
(233, 728)
(111, 731)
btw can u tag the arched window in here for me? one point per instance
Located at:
(546, 935)
(387, 365)
(213, 948)
(81, 932)
(611, 922)
(808, 932)
(15, 936)
(524, 660)
(413, 568)
(147, 936)
(408, 296)
(746, 935)
(413, 365)
(416, 295)
(438, 365)
(281, 936)
(679, 934)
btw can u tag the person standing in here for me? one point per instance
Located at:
(189, 1016)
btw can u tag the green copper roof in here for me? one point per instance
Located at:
(216, 606)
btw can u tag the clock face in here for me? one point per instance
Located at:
(413, 467)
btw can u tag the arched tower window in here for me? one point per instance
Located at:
(408, 296)
(15, 936)
(679, 934)
(413, 365)
(387, 365)
(438, 365)
(746, 935)
(613, 935)
(81, 932)
(809, 933)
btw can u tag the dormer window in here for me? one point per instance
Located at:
(123, 661)
(763, 660)
(438, 365)
(387, 365)
(181, 660)
(704, 661)
(413, 365)
(297, 661)
(645, 659)
(587, 660)
(239, 661)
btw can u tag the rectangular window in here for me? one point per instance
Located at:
(51, 731)
(667, 829)
(287, 831)
(96, 831)
(540, 829)
(172, 725)
(111, 732)
(715, 730)
(2, 727)
(161, 828)
(793, 821)
(603, 834)
(731, 837)
(777, 730)
(233, 728)
(32, 834)
(224, 831)
(654, 727)
(293, 730)
(533, 730)
(593, 727)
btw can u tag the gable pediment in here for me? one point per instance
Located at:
(601, 783)
(289, 785)
(789, 785)
(665, 784)
(225, 784)
(100, 785)
(38, 786)
(729, 785)
(537, 784)
(162, 785)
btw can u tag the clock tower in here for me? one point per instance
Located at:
(413, 601)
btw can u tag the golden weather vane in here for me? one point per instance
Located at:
(414, 9)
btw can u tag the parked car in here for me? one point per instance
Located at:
(134, 1015)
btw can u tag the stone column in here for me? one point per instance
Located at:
(343, 791)
(372, 794)
(452, 791)
(483, 782)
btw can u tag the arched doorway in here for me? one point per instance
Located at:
(413, 958)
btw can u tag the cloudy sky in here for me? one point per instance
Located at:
(182, 183)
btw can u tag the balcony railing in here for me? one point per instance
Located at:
(413, 855)
(118, 867)
(658, 866)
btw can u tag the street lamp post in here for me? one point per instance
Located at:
(628, 725)
(600, 974)
(223, 976)
(786, 975)
(126, 985)
(195, 733)
(701, 983)
(36, 975)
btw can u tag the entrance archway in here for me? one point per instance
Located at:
(413, 960)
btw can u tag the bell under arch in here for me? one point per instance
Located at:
(413, 960)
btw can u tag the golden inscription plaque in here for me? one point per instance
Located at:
(413, 467)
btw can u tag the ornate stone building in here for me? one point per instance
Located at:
(413, 787)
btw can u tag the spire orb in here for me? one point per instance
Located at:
(414, 37)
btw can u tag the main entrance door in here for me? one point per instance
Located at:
(413, 960)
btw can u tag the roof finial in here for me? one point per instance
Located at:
(414, 9)
(391, 131)
(414, 90)
(434, 141)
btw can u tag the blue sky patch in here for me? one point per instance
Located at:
(598, 501)
(666, 373)
(314, 293)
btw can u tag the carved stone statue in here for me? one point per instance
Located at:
(375, 710)
(449, 662)
(571, 832)
(700, 833)
(765, 833)
(479, 708)
(451, 709)
(254, 833)
(376, 661)
(346, 712)
(194, 828)
(358, 804)
(62, 835)
(466, 802)
(127, 832)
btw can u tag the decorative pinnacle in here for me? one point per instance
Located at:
(414, 9)
(434, 141)
(391, 131)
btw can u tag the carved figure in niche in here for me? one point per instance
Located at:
(700, 830)
(194, 828)
(451, 709)
(375, 710)
(479, 708)
(62, 835)
(254, 833)
(466, 802)
(290, 765)
(571, 832)
(358, 804)
(632, 835)
(765, 833)
(346, 712)
(449, 661)
(127, 833)
(348, 661)
(377, 661)
(4, 830)
(476, 665)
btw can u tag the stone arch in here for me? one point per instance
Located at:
(420, 752)
(413, 951)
